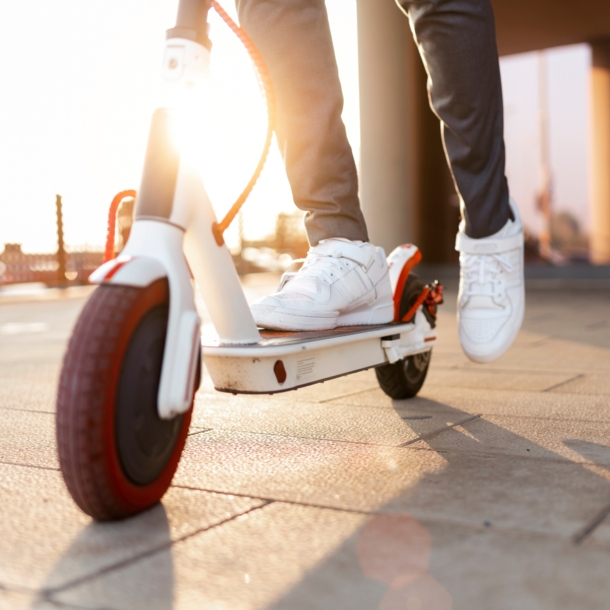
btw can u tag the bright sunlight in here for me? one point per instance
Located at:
(78, 119)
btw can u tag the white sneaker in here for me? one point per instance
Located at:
(341, 283)
(491, 299)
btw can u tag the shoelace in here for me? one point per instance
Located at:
(480, 270)
(316, 264)
(322, 264)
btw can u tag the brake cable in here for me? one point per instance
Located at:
(266, 88)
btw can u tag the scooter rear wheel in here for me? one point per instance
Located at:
(116, 455)
(405, 378)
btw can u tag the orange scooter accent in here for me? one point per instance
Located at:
(402, 280)
(430, 297)
(114, 206)
(266, 87)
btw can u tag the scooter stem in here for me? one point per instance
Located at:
(192, 22)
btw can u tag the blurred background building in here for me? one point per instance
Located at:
(555, 64)
(402, 158)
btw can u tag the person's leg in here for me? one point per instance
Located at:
(345, 279)
(294, 38)
(457, 42)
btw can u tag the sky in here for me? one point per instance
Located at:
(81, 79)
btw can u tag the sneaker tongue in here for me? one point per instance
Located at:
(304, 284)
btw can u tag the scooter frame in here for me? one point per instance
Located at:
(174, 222)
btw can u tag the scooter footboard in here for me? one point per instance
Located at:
(285, 361)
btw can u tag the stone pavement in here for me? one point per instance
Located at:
(491, 490)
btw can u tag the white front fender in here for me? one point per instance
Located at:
(139, 271)
(153, 252)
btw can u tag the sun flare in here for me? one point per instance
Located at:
(76, 121)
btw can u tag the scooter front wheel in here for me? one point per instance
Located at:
(116, 454)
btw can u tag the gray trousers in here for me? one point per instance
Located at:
(457, 42)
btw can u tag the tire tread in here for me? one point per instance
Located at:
(80, 400)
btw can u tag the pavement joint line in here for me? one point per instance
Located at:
(545, 419)
(20, 465)
(558, 385)
(484, 368)
(423, 437)
(277, 500)
(200, 431)
(373, 512)
(27, 410)
(448, 409)
(512, 456)
(17, 589)
(586, 531)
(478, 387)
(40, 595)
(148, 553)
(505, 371)
(465, 387)
(347, 395)
(60, 605)
(316, 438)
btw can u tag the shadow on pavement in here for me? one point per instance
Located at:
(587, 315)
(393, 561)
(155, 590)
(595, 453)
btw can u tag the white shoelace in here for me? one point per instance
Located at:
(317, 264)
(481, 270)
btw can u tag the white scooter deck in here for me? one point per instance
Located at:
(284, 361)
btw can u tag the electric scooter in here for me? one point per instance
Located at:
(134, 360)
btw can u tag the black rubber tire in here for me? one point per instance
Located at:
(405, 378)
(116, 455)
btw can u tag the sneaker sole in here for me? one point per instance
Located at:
(282, 319)
(365, 315)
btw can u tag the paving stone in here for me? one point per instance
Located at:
(286, 557)
(511, 570)
(550, 405)
(245, 564)
(266, 415)
(595, 385)
(495, 379)
(15, 600)
(450, 486)
(596, 534)
(582, 442)
(28, 438)
(50, 542)
(28, 395)
(580, 316)
(553, 355)
(498, 526)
